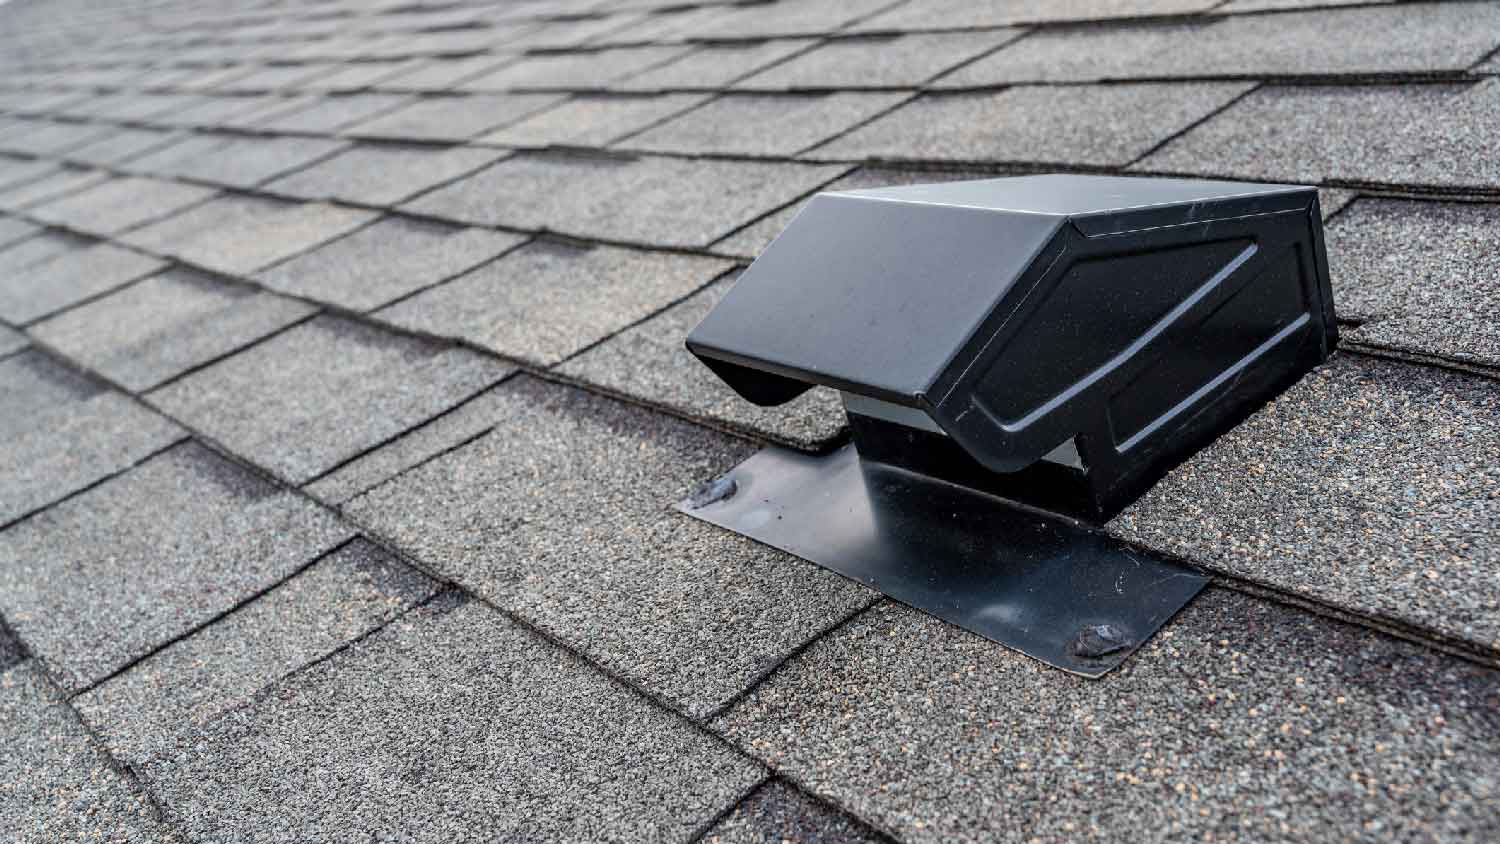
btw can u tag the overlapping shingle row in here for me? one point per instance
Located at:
(343, 403)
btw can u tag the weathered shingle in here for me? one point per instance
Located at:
(572, 71)
(904, 61)
(712, 66)
(593, 121)
(119, 204)
(452, 118)
(239, 235)
(49, 286)
(382, 174)
(764, 125)
(965, 14)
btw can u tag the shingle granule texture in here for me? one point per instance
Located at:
(18, 171)
(50, 138)
(386, 261)
(1098, 125)
(903, 61)
(750, 124)
(61, 432)
(381, 174)
(441, 74)
(161, 705)
(776, 813)
(650, 199)
(649, 362)
(13, 230)
(712, 66)
(153, 330)
(495, 734)
(242, 162)
(47, 287)
(1414, 134)
(57, 786)
(51, 186)
(1432, 37)
(457, 118)
(124, 144)
(593, 121)
(120, 204)
(547, 301)
(11, 340)
(965, 14)
(325, 115)
(239, 235)
(573, 71)
(694, 613)
(314, 396)
(1423, 276)
(34, 250)
(1369, 485)
(1241, 719)
(790, 17)
(230, 535)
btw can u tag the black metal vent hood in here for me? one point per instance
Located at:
(1019, 358)
(1061, 340)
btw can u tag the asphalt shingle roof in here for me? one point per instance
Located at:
(343, 405)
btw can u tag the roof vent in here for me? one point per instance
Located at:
(1059, 341)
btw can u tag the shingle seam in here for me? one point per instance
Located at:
(202, 365)
(244, 601)
(859, 125)
(1433, 361)
(706, 827)
(803, 197)
(1213, 113)
(37, 511)
(93, 297)
(666, 306)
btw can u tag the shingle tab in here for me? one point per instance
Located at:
(166, 575)
(968, 14)
(905, 61)
(242, 162)
(767, 125)
(58, 786)
(649, 362)
(62, 433)
(546, 301)
(165, 325)
(121, 146)
(326, 115)
(777, 813)
(1414, 134)
(160, 704)
(38, 248)
(573, 71)
(649, 200)
(452, 118)
(383, 174)
(446, 704)
(56, 183)
(322, 392)
(11, 340)
(443, 74)
(1422, 277)
(47, 287)
(790, 17)
(1368, 486)
(694, 613)
(1241, 719)
(14, 230)
(1370, 40)
(1036, 124)
(593, 121)
(712, 66)
(239, 235)
(386, 261)
(119, 204)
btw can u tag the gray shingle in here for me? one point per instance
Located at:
(242, 162)
(968, 14)
(118, 204)
(1369, 486)
(790, 17)
(904, 61)
(275, 78)
(776, 813)
(435, 711)
(14, 230)
(165, 325)
(383, 174)
(1237, 6)
(1242, 719)
(554, 34)
(121, 145)
(769, 125)
(18, 171)
(434, 75)
(46, 287)
(1424, 277)
(325, 115)
(359, 76)
(160, 704)
(593, 121)
(648, 362)
(1414, 134)
(11, 340)
(645, 200)
(230, 535)
(62, 433)
(546, 301)
(38, 248)
(692, 612)
(49, 138)
(385, 261)
(1100, 125)
(59, 787)
(573, 71)
(712, 66)
(60, 182)
(453, 118)
(211, 112)
(306, 400)
(239, 235)
(1369, 40)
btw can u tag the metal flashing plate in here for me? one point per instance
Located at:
(1052, 589)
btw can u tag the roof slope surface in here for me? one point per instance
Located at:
(343, 401)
